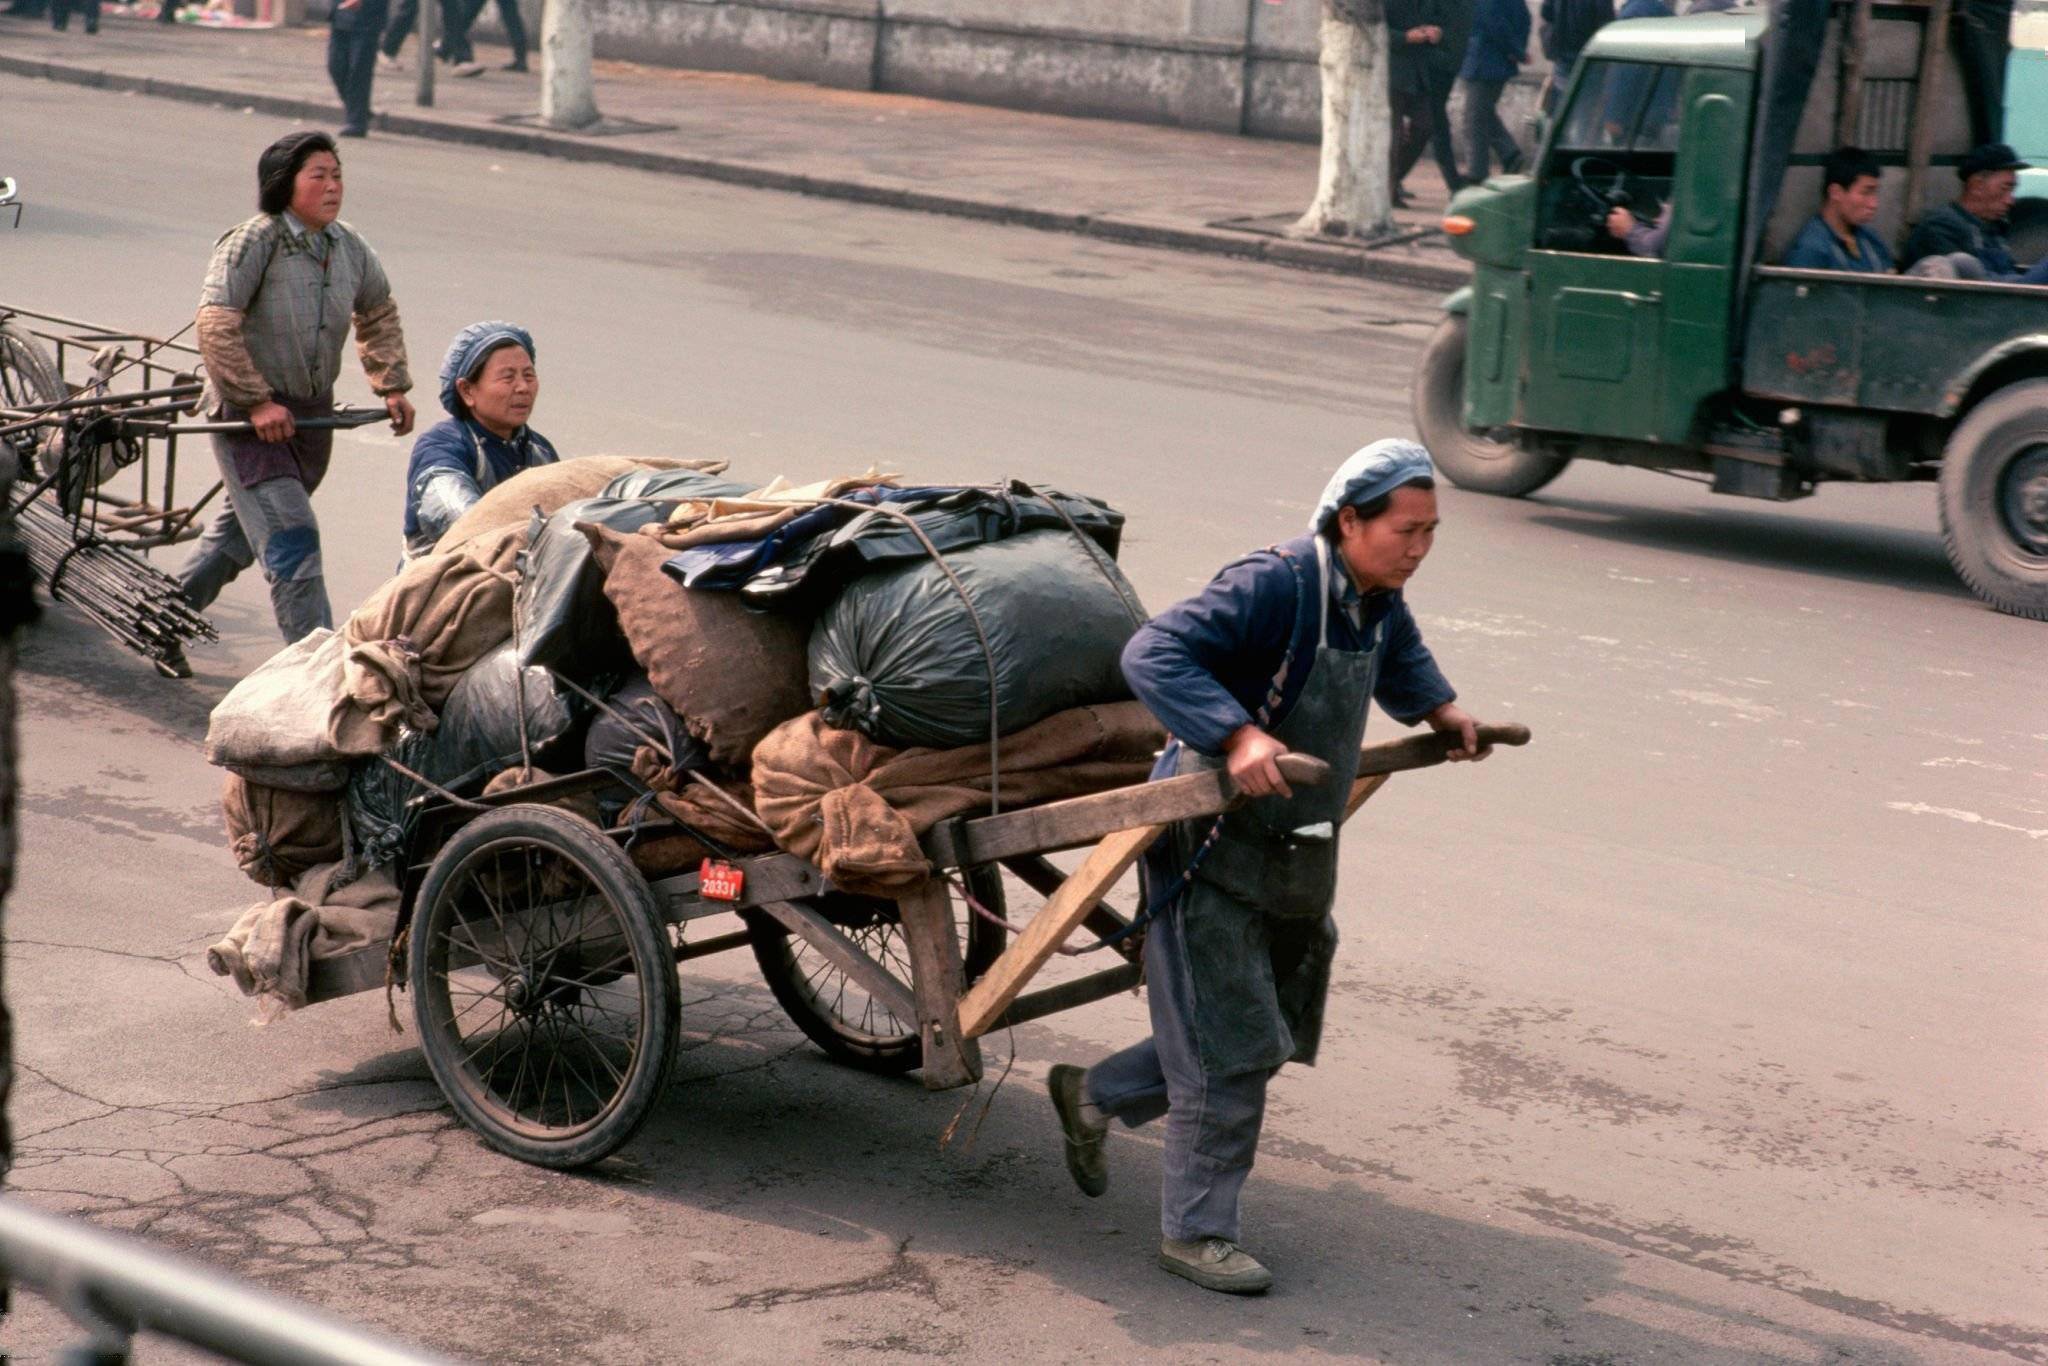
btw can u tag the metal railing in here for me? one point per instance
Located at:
(115, 1287)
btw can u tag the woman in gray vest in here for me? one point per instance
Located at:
(280, 296)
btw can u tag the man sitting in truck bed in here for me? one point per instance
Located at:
(1838, 237)
(1974, 224)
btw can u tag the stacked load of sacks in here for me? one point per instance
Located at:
(829, 669)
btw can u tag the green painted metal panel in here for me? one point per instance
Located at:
(1632, 347)
(1723, 40)
(1493, 357)
(1883, 342)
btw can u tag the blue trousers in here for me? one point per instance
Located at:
(352, 66)
(1212, 1123)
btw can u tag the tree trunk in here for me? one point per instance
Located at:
(1352, 194)
(568, 98)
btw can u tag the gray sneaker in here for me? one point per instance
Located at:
(1215, 1264)
(1085, 1162)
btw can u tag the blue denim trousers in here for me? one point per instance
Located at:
(1212, 1122)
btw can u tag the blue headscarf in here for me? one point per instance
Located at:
(1371, 471)
(467, 352)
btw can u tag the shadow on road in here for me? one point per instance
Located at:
(1888, 557)
(931, 1239)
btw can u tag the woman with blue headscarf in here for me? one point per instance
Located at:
(488, 386)
(1283, 652)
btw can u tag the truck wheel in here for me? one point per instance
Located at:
(1469, 460)
(1994, 499)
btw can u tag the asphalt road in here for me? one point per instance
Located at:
(1708, 1028)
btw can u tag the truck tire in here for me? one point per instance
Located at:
(1467, 459)
(1994, 499)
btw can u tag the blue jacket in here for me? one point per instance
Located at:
(464, 447)
(1817, 248)
(1952, 228)
(1500, 39)
(1204, 665)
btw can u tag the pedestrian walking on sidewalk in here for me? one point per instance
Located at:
(1285, 650)
(1500, 44)
(352, 33)
(60, 14)
(453, 47)
(1419, 78)
(510, 20)
(274, 315)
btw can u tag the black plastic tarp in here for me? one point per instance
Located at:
(900, 655)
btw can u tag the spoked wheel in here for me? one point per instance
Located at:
(29, 379)
(544, 985)
(834, 1011)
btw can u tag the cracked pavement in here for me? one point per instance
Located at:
(1695, 1032)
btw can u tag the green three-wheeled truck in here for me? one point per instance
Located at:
(1710, 361)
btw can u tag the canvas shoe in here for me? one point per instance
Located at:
(1215, 1264)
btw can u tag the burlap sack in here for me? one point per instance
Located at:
(509, 506)
(583, 804)
(414, 638)
(276, 718)
(272, 947)
(721, 819)
(275, 834)
(732, 674)
(856, 808)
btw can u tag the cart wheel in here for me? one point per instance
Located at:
(1469, 460)
(29, 379)
(544, 985)
(835, 1012)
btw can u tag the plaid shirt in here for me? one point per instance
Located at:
(297, 293)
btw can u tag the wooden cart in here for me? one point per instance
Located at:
(542, 964)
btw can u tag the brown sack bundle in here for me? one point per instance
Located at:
(510, 505)
(856, 808)
(276, 834)
(732, 674)
(414, 638)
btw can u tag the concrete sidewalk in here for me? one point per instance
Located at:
(1153, 186)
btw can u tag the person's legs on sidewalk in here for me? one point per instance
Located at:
(402, 19)
(514, 25)
(1441, 144)
(352, 62)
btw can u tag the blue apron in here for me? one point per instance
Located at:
(1256, 914)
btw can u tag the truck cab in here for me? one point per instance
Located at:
(1687, 351)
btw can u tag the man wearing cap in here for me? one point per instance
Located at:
(1283, 652)
(488, 386)
(1974, 224)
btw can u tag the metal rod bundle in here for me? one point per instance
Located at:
(137, 603)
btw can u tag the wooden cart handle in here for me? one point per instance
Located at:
(1424, 751)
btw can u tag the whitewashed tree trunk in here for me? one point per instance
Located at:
(1353, 198)
(568, 95)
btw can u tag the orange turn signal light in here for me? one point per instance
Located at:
(1457, 225)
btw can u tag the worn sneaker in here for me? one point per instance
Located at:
(1085, 1162)
(469, 69)
(1215, 1264)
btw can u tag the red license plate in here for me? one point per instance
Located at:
(720, 881)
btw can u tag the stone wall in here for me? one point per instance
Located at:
(1240, 66)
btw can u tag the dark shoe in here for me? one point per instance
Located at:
(1401, 200)
(1215, 1264)
(92, 26)
(172, 662)
(352, 132)
(1085, 1162)
(516, 64)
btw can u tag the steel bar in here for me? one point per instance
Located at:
(135, 602)
(340, 419)
(108, 400)
(94, 330)
(102, 1276)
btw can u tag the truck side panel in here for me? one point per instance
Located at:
(1883, 342)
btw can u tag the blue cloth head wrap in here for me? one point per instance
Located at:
(467, 352)
(1371, 471)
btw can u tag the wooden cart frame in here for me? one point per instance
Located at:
(957, 987)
